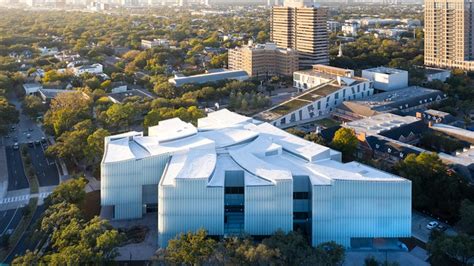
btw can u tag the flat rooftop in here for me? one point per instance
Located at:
(380, 123)
(386, 70)
(399, 99)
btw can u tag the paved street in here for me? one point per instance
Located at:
(419, 230)
(24, 244)
(46, 170)
(25, 127)
(16, 175)
(10, 221)
(6, 218)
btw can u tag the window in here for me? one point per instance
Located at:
(300, 215)
(234, 190)
(300, 195)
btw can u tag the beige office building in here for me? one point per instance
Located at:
(263, 60)
(449, 37)
(302, 26)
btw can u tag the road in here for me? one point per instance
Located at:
(10, 221)
(16, 175)
(24, 244)
(26, 130)
(46, 170)
(419, 230)
(6, 218)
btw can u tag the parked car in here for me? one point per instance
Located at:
(37, 142)
(30, 144)
(431, 225)
(28, 136)
(30, 129)
(441, 228)
(15, 146)
(43, 140)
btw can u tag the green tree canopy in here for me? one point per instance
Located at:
(346, 142)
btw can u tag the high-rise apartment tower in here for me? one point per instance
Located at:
(449, 36)
(301, 25)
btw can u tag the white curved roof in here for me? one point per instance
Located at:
(226, 141)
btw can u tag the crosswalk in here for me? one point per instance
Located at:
(24, 197)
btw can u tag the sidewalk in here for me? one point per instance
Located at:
(3, 172)
(93, 184)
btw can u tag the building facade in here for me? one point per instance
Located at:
(449, 34)
(303, 27)
(386, 79)
(263, 60)
(322, 89)
(231, 175)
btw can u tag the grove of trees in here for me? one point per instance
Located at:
(196, 248)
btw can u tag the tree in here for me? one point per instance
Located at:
(190, 248)
(467, 216)
(459, 247)
(33, 105)
(345, 141)
(316, 138)
(71, 191)
(165, 90)
(95, 144)
(120, 115)
(370, 261)
(434, 187)
(72, 144)
(66, 110)
(29, 258)
(59, 215)
(8, 114)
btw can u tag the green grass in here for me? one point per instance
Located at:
(289, 106)
(327, 122)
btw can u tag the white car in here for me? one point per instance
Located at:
(431, 225)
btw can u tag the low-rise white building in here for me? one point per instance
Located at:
(92, 69)
(31, 88)
(146, 44)
(322, 89)
(386, 79)
(233, 175)
(350, 28)
(209, 77)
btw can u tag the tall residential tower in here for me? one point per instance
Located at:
(449, 34)
(301, 25)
